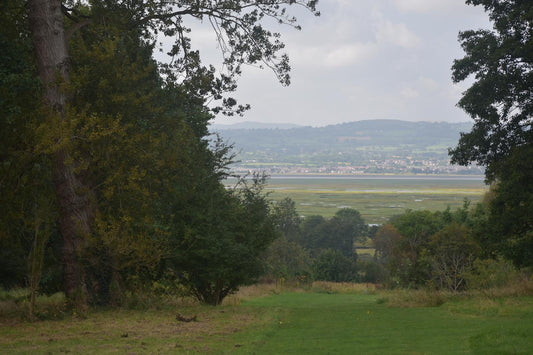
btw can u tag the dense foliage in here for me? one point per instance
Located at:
(451, 250)
(501, 103)
(445, 250)
(110, 183)
(108, 177)
(224, 239)
(315, 247)
(500, 100)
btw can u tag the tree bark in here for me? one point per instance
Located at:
(76, 211)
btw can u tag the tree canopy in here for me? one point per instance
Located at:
(107, 150)
(501, 103)
(500, 100)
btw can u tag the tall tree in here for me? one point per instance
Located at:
(407, 261)
(72, 193)
(510, 225)
(500, 100)
(287, 219)
(286, 258)
(242, 39)
(501, 103)
(453, 252)
(345, 228)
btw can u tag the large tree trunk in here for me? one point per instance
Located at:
(75, 206)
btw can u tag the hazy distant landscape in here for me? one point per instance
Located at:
(362, 147)
(376, 197)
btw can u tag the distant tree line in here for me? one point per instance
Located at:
(451, 250)
(448, 250)
(315, 248)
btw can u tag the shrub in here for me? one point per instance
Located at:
(332, 265)
(490, 273)
(14, 304)
(371, 271)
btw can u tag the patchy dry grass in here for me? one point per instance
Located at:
(126, 331)
(343, 288)
(253, 291)
(517, 289)
(413, 298)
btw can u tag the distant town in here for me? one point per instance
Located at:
(355, 148)
(397, 166)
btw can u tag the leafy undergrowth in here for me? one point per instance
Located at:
(14, 305)
(515, 289)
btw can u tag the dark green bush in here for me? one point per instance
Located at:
(332, 265)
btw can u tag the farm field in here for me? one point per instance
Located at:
(324, 319)
(377, 198)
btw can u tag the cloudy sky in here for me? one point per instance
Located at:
(363, 59)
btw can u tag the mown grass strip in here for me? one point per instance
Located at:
(313, 323)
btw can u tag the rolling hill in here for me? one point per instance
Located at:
(371, 146)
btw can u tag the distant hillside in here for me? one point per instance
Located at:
(373, 146)
(252, 125)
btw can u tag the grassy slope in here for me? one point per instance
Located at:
(296, 322)
(350, 324)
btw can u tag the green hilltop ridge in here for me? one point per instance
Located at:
(360, 147)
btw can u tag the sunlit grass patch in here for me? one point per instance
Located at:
(252, 291)
(365, 253)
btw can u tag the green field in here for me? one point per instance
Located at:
(266, 319)
(311, 323)
(377, 198)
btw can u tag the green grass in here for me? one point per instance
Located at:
(266, 319)
(311, 323)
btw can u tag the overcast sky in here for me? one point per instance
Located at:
(362, 59)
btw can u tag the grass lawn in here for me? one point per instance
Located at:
(321, 323)
(297, 322)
